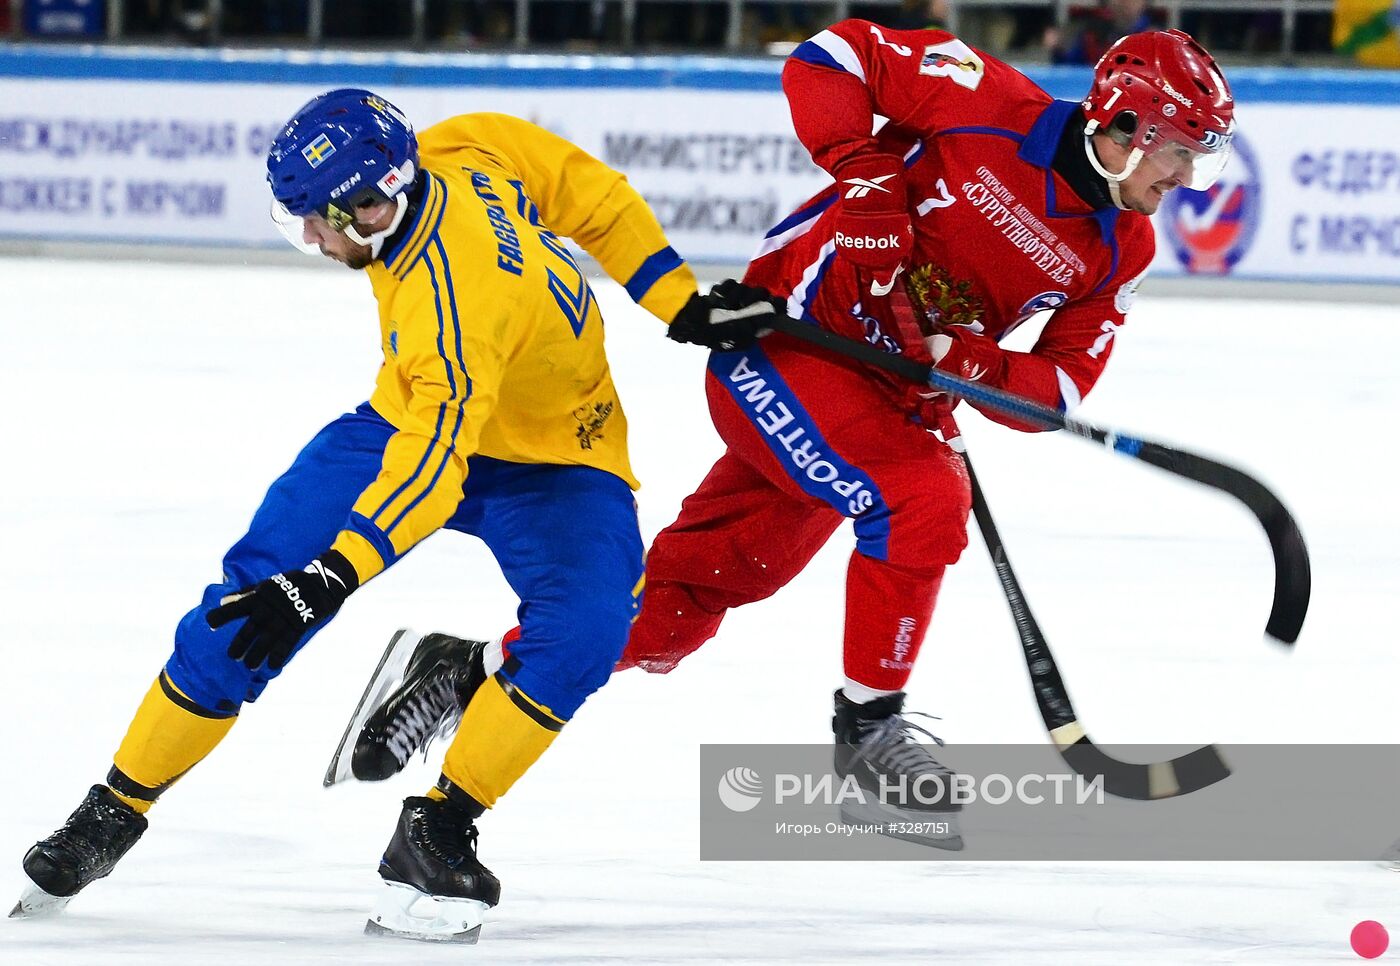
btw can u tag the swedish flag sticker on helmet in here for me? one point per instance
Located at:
(318, 150)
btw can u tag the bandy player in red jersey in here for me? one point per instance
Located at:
(980, 203)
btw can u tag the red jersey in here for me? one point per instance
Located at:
(998, 235)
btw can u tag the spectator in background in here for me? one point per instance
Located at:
(1090, 35)
(1368, 30)
(919, 15)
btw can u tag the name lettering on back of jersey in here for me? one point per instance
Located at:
(509, 257)
(954, 60)
(1022, 228)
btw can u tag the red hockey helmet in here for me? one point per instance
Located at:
(1165, 95)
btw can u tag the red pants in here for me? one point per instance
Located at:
(811, 439)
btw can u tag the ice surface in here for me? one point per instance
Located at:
(146, 408)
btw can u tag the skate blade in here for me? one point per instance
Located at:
(35, 903)
(386, 677)
(402, 912)
(937, 830)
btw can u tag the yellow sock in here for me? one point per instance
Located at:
(169, 735)
(501, 735)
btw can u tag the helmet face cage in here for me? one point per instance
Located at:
(344, 150)
(1168, 92)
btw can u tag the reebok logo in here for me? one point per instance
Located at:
(1172, 92)
(319, 569)
(844, 240)
(294, 597)
(860, 187)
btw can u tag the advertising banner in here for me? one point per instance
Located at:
(65, 18)
(163, 147)
(151, 161)
(1313, 192)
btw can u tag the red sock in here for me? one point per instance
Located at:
(887, 614)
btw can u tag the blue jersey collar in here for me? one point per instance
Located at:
(1039, 148)
(1043, 138)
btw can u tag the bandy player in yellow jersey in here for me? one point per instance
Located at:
(494, 414)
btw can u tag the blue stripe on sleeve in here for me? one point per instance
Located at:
(651, 272)
(803, 214)
(437, 474)
(810, 53)
(377, 538)
(459, 397)
(456, 320)
(417, 470)
(811, 294)
(442, 411)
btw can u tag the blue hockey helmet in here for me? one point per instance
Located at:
(345, 149)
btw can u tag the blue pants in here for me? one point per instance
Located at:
(566, 539)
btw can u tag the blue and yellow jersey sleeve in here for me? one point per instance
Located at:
(443, 367)
(579, 197)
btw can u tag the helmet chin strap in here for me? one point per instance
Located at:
(1115, 192)
(1114, 181)
(375, 240)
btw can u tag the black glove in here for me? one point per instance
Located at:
(730, 317)
(282, 608)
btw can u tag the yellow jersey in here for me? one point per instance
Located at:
(492, 338)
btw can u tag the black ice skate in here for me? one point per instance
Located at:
(907, 790)
(416, 695)
(87, 847)
(435, 889)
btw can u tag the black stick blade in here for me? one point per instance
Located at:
(1164, 779)
(1292, 568)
